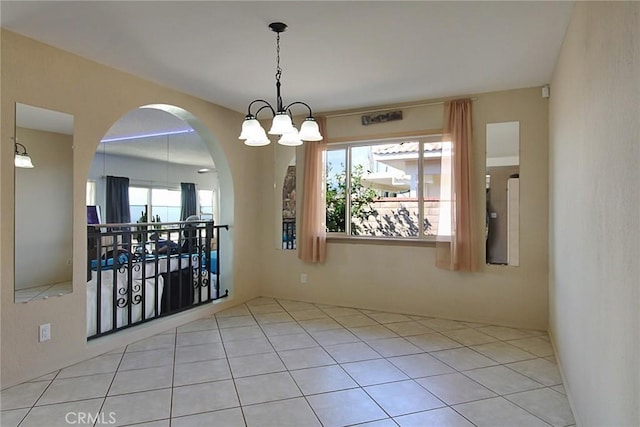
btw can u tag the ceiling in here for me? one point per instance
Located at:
(335, 55)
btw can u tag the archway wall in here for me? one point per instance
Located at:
(97, 96)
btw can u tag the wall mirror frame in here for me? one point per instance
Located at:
(43, 222)
(502, 189)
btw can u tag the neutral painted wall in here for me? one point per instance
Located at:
(594, 158)
(404, 278)
(97, 96)
(44, 210)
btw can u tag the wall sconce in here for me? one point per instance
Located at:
(21, 159)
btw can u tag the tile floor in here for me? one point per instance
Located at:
(43, 292)
(286, 363)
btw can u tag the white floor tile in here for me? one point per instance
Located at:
(334, 336)
(248, 347)
(198, 353)
(201, 372)
(246, 366)
(142, 380)
(12, 417)
(420, 365)
(23, 395)
(502, 352)
(444, 417)
(292, 342)
(433, 342)
(323, 379)
(236, 321)
(198, 337)
(266, 388)
(502, 380)
(351, 352)
(463, 359)
(551, 406)
(455, 388)
(306, 358)
(390, 347)
(371, 372)
(64, 414)
(498, 412)
(77, 388)
(469, 336)
(403, 397)
(283, 413)
(139, 407)
(98, 365)
(223, 418)
(341, 408)
(541, 370)
(205, 397)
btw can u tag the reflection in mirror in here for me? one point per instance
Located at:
(503, 193)
(43, 204)
(156, 152)
(289, 207)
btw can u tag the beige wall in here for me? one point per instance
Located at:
(404, 278)
(44, 210)
(595, 213)
(39, 75)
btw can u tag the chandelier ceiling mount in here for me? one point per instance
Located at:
(254, 134)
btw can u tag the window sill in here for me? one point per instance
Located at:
(362, 240)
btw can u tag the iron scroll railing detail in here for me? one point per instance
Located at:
(140, 272)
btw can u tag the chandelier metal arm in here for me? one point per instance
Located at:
(24, 149)
(288, 107)
(266, 105)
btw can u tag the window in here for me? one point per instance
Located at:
(206, 202)
(385, 188)
(91, 193)
(138, 202)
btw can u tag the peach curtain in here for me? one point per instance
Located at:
(312, 232)
(458, 234)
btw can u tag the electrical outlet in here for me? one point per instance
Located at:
(44, 332)
(303, 278)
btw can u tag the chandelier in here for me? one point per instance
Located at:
(21, 158)
(254, 134)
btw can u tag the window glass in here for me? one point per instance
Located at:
(138, 201)
(393, 188)
(205, 200)
(165, 205)
(336, 190)
(91, 193)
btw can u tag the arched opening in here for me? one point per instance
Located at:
(155, 167)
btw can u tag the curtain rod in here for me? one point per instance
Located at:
(355, 113)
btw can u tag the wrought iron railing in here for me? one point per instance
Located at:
(140, 272)
(289, 233)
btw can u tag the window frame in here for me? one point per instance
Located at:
(422, 238)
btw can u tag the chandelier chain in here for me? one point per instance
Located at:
(278, 69)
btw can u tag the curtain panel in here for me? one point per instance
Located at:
(118, 210)
(312, 231)
(458, 234)
(187, 200)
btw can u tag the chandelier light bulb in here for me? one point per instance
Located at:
(291, 138)
(250, 128)
(281, 124)
(309, 131)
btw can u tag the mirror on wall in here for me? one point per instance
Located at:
(503, 193)
(43, 203)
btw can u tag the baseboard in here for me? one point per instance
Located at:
(565, 384)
